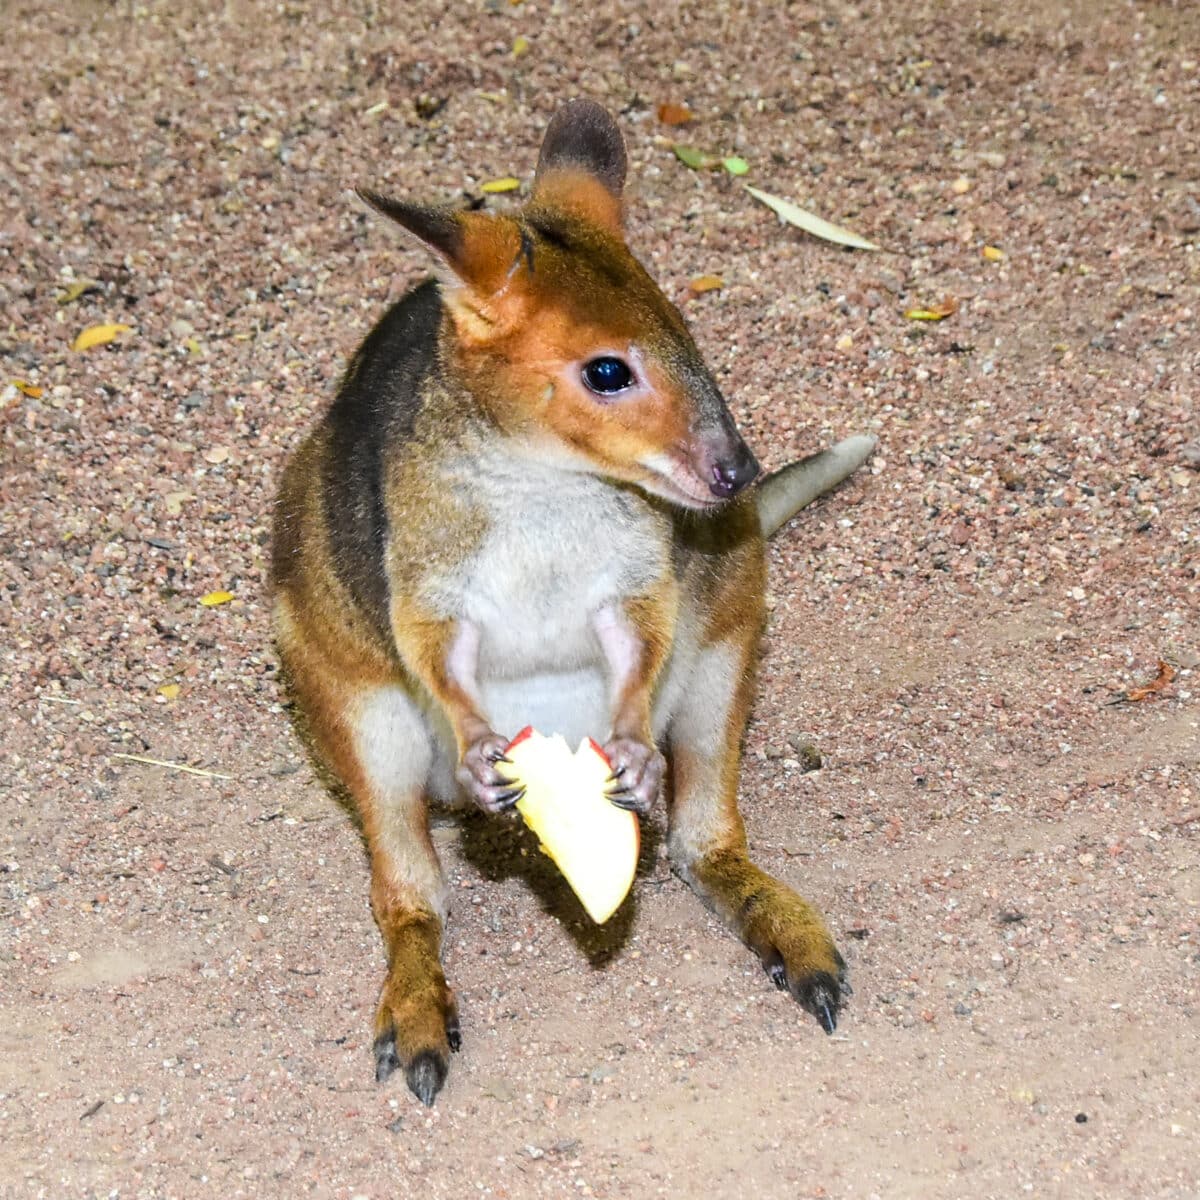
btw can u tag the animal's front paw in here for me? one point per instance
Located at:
(637, 774)
(479, 774)
(797, 952)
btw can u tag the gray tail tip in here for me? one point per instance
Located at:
(783, 494)
(858, 445)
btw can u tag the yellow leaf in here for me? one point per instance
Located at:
(169, 691)
(993, 253)
(520, 46)
(28, 389)
(81, 287)
(793, 214)
(215, 598)
(706, 283)
(935, 312)
(192, 346)
(505, 184)
(97, 335)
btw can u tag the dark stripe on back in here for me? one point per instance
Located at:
(376, 408)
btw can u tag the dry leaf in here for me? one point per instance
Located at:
(169, 691)
(935, 312)
(675, 114)
(1166, 673)
(520, 46)
(192, 346)
(793, 214)
(706, 283)
(72, 291)
(97, 335)
(735, 165)
(217, 455)
(691, 157)
(212, 599)
(27, 389)
(993, 253)
(175, 502)
(505, 184)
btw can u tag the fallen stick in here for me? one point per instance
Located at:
(173, 766)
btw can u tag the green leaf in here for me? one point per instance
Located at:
(691, 157)
(793, 214)
(735, 165)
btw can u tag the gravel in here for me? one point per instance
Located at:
(1006, 848)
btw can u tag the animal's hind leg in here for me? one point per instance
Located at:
(374, 738)
(707, 839)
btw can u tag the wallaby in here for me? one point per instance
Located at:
(527, 505)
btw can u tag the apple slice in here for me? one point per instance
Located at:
(592, 841)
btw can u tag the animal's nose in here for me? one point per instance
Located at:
(730, 475)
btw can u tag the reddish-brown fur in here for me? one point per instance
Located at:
(380, 651)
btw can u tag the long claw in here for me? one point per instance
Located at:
(827, 1018)
(498, 756)
(386, 1058)
(509, 798)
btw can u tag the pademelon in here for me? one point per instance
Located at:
(592, 841)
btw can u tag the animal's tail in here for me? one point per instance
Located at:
(782, 495)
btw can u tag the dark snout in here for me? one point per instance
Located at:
(718, 454)
(732, 473)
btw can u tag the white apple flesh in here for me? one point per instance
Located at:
(591, 841)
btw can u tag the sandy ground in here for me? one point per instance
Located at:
(1006, 848)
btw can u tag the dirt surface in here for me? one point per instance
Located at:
(1007, 849)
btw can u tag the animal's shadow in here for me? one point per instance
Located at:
(505, 848)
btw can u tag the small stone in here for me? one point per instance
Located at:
(807, 752)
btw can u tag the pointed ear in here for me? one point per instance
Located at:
(482, 250)
(436, 225)
(581, 168)
(485, 256)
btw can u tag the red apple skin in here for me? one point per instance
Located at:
(596, 746)
(527, 732)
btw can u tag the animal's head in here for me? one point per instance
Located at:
(567, 339)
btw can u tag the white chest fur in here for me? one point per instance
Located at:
(558, 547)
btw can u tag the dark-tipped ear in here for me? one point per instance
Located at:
(583, 137)
(437, 226)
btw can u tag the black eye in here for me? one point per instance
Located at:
(606, 375)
